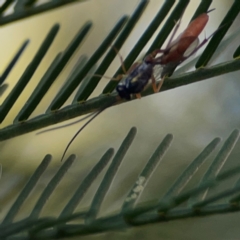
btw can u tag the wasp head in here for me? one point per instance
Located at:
(123, 91)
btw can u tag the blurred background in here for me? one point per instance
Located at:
(194, 114)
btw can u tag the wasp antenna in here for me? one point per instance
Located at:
(76, 134)
(211, 10)
(66, 125)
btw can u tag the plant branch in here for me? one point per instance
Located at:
(95, 104)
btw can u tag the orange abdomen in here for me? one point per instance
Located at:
(196, 26)
(192, 32)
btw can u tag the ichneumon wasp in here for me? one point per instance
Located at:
(138, 76)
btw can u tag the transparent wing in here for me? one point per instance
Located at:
(157, 71)
(191, 48)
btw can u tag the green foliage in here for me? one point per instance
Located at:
(131, 214)
(79, 106)
(193, 202)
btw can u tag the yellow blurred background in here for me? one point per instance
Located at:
(194, 114)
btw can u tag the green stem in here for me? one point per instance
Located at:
(95, 104)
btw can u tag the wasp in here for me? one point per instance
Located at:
(173, 55)
(138, 76)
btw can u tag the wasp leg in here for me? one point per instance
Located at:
(154, 84)
(118, 78)
(138, 95)
(156, 88)
(152, 55)
(157, 60)
(160, 84)
(121, 59)
(150, 58)
(133, 66)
